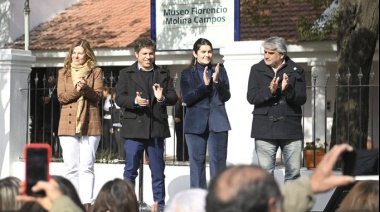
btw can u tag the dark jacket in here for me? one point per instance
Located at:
(144, 122)
(277, 116)
(205, 104)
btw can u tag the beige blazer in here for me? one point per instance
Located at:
(68, 96)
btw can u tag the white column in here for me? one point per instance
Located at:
(318, 100)
(238, 58)
(15, 65)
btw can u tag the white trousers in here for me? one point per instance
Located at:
(79, 158)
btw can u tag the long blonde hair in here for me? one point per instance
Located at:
(87, 49)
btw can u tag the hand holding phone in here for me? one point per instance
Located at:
(37, 158)
(349, 162)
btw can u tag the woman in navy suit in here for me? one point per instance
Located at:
(205, 89)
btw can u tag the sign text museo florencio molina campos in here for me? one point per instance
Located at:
(179, 23)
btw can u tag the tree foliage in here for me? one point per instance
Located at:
(319, 26)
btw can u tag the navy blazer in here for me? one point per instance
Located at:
(205, 104)
(144, 122)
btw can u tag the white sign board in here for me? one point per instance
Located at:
(179, 23)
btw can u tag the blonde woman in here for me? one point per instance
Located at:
(80, 91)
(9, 189)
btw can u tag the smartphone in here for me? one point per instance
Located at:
(349, 162)
(37, 159)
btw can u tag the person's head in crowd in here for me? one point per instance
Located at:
(106, 91)
(32, 207)
(66, 188)
(9, 189)
(364, 196)
(247, 188)
(117, 196)
(51, 80)
(188, 201)
(243, 188)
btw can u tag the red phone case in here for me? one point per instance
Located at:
(37, 146)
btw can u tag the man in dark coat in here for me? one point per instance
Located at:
(277, 89)
(143, 92)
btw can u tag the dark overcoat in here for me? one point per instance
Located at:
(144, 122)
(205, 105)
(277, 116)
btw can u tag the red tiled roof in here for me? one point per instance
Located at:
(284, 15)
(118, 23)
(104, 23)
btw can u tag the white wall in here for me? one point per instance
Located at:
(15, 65)
(238, 59)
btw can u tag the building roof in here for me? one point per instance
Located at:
(118, 23)
(284, 15)
(108, 24)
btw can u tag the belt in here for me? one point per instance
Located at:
(274, 119)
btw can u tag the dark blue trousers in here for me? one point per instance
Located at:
(217, 152)
(134, 149)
